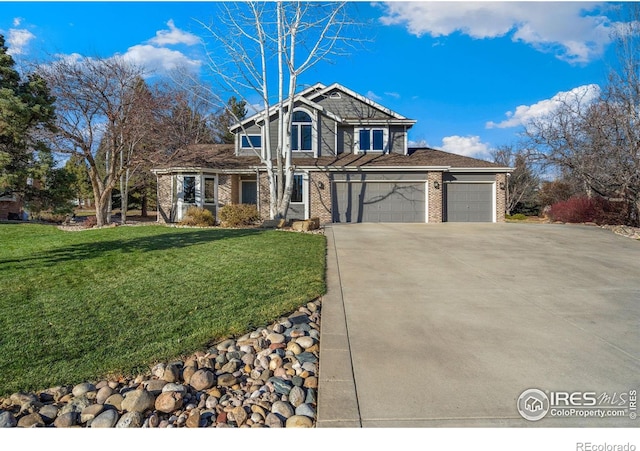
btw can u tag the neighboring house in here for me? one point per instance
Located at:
(352, 164)
(11, 207)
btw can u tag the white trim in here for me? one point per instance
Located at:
(251, 146)
(426, 201)
(356, 140)
(314, 131)
(471, 169)
(495, 201)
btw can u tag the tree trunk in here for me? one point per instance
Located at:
(144, 205)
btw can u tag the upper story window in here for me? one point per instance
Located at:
(250, 142)
(301, 132)
(372, 139)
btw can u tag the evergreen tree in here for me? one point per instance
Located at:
(235, 111)
(26, 108)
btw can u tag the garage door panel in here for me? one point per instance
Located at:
(469, 202)
(379, 202)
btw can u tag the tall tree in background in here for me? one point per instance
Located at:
(523, 183)
(95, 102)
(27, 167)
(596, 139)
(234, 111)
(264, 48)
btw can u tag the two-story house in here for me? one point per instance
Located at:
(352, 163)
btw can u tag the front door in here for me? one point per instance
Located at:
(249, 193)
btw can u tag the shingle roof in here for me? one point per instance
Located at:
(221, 156)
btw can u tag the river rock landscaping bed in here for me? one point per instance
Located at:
(266, 378)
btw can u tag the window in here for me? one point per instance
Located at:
(251, 141)
(301, 139)
(189, 189)
(209, 190)
(372, 139)
(296, 193)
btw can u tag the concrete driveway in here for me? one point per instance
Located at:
(448, 324)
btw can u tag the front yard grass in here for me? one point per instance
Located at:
(76, 306)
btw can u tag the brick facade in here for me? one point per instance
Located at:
(501, 197)
(165, 199)
(435, 196)
(263, 196)
(320, 197)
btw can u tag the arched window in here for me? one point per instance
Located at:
(301, 132)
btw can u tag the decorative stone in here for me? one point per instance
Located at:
(171, 373)
(299, 421)
(193, 421)
(138, 401)
(306, 357)
(76, 405)
(90, 412)
(280, 386)
(296, 396)
(174, 387)
(7, 420)
(31, 420)
(106, 419)
(169, 401)
(202, 380)
(273, 421)
(103, 394)
(239, 415)
(306, 410)
(155, 386)
(305, 342)
(282, 408)
(114, 401)
(48, 413)
(276, 338)
(130, 420)
(83, 389)
(227, 380)
(66, 420)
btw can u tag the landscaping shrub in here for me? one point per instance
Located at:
(90, 221)
(48, 216)
(580, 209)
(236, 215)
(198, 217)
(516, 217)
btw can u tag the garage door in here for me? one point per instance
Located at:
(378, 202)
(469, 202)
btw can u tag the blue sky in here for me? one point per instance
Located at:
(470, 73)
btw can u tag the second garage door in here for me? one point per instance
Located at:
(469, 202)
(379, 202)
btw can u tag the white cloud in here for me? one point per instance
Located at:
(17, 21)
(539, 110)
(469, 146)
(373, 96)
(563, 28)
(173, 36)
(159, 59)
(17, 41)
(395, 95)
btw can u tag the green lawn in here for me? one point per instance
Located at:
(76, 306)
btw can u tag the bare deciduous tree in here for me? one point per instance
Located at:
(265, 48)
(523, 182)
(95, 102)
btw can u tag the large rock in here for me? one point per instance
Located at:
(30, 421)
(7, 420)
(169, 401)
(299, 421)
(66, 420)
(283, 409)
(202, 380)
(130, 420)
(138, 401)
(106, 419)
(83, 389)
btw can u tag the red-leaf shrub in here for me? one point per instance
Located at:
(580, 209)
